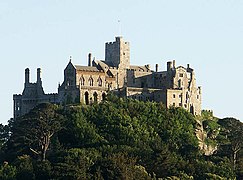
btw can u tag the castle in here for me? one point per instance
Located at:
(89, 84)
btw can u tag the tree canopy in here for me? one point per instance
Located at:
(117, 139)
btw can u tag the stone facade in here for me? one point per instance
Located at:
(176, 86)
(33, 94)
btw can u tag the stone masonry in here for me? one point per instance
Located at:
(176, 86)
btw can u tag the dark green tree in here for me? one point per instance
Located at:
(232, 130)
(33, 131)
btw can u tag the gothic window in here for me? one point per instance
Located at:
(99, 81)
(91, 81)
(86, 98)
(82, 81)
(95, 97)
(103, 96)
(174, 96)
(109, 86)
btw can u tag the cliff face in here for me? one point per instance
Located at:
(206, 132)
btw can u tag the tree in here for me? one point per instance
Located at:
(33, 131)
(233, 132)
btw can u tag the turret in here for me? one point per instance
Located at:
(27, 76)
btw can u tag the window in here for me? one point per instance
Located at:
(181, 75)
(99, 81)
(174, 95)
(82, 81)
(173, 104)
(103, 96)
(86, 95)
(91, 81)
(179, 83)
(180, 104)
(95, 97)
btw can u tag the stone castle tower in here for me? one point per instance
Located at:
(175, 86)
(117, 54)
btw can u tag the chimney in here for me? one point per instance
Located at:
(169, 65)
(188, 66)
(156, 67)
(89, 59)
(173, 63)
(38, 75)
(27, 76)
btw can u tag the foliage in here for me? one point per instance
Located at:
(7, 172)
(118, 139)
(32, 132)
(231, 140)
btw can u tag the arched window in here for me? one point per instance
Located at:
(103, 96)
(82, 81)
(91, 81)
(86, 98)
(95, 97)
(99, 81)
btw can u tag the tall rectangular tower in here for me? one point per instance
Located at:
(117, 53)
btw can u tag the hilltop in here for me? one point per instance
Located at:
(120, 139)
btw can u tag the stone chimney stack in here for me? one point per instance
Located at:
(188, 66)
(174, 64)
(39, 76)
(156, 67)
(27, 76)
(89, 59)
(169, 65)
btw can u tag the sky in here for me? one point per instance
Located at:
(207, 34)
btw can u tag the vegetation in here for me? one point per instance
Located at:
(118, 139)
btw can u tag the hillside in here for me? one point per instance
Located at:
(120, 139)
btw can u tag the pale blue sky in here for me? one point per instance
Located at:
(207, 34)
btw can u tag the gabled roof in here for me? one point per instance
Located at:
(181, 67)
(113, 72)
(86, 68)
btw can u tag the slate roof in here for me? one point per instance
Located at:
(86, 68)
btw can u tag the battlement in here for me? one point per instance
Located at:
(175, 86)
